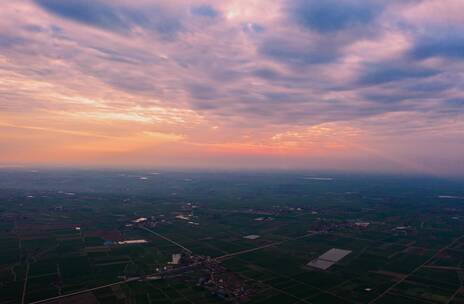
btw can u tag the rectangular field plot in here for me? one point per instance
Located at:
(326, 260)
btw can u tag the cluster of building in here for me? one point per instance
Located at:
(327, 225)
(274, 210)
(188, 217)
(207, 273)
(204, 271)
(223, 283)
(150, 222)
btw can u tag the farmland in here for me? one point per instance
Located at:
(109, 237)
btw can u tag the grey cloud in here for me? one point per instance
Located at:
(448, 43)
(203, 92)
(7, 41)
(115, 18)
(375, 74)
(333, 15)
(204, 10)
(91, 12)
(298, 53)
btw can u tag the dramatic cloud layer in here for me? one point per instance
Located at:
(333, 84)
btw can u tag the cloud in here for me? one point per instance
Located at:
(203, 92)
(388, 98)
(427, 86)
(253, 28)
(114, 17)
(91, 12)
(447, 43)
(456, 103)
(333, 15)
(7, 41)
(266, 73)
(204, 10)
(298, 53)
(384, 73)
(251, 68)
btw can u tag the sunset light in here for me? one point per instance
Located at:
(371, 86)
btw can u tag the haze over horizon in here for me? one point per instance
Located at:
(291, 84)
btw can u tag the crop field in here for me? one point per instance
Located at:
(63, 238)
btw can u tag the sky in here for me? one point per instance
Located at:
(349, 85)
